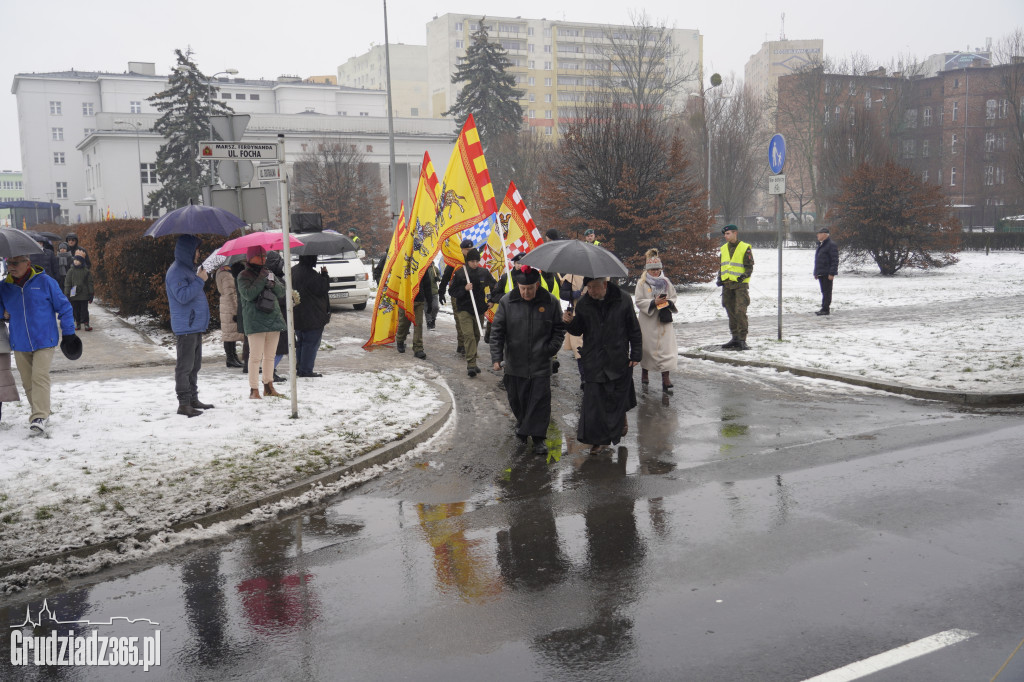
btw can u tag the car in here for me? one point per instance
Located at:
(350, 280)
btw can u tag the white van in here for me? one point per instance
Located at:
(350, 282)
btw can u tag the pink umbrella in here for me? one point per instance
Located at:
(271, 241)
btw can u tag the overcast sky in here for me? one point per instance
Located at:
(261, 38)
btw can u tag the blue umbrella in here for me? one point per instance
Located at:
(193, 219)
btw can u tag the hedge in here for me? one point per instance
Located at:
(128, 269)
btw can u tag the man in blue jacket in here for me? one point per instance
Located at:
(190, 318)
(826, 267)
(32, 301)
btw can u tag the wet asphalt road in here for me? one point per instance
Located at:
(753, 526)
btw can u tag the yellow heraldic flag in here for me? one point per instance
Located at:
(466, 196)
(515, 233)
(384, 322)
(422, 244)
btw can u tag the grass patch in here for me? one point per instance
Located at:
(44, 513)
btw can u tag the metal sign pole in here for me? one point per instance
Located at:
(778, 217)
(289, 307)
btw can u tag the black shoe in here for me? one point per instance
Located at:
(742, 346)
(667, 388)
(460, 350)
(540, 448)
(555, 364)
(473, 371)
(430, 325)
(821, 312)
(420, 354)
(400, 346)
(521, 439)
(312, 375)
(187, 410)
(734, 343)
(234, 363)
(278, 378)
(201, 406)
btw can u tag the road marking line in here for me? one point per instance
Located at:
(893, 657)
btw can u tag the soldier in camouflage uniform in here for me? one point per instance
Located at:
(733, 277)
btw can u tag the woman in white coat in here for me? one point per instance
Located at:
(655, 298)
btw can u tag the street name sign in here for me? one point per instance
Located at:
(776, 184)
(234, 151)
(268, 173)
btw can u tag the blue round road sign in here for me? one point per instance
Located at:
(777, 153)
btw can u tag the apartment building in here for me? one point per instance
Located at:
(11, 189)
(779, 58)
(409, 89)
(555, 62)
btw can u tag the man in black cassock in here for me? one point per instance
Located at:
(612, 347)
(527, 331)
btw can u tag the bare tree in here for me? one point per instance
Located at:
(522, 158)
(1009, 54)
(738, 131)
(332, 179)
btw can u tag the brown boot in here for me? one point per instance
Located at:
(268, 389)
(666, 383)
(644, 377)
(254, 394)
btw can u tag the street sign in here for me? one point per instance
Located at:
(230, 128)
(777, 153)
(776, 184)
(235, 173)
(253, 208)
(235, 151)
(268, 173)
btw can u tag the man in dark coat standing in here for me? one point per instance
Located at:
(311, 314)
(190, 318)
(612, 347)
(826, 267)
(526, 332)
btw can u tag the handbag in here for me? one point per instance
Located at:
(665, 315)
(266, 302)
(5, 344)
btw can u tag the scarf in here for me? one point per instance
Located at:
(658, 284)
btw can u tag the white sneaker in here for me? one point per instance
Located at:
(37, 427)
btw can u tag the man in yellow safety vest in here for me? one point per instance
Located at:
(737, 267)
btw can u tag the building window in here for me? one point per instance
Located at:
(135, 107)
(459, 44)
(956, 110)
(547, 66)
(533, 113)
(65, 216)
(414, 111)
(148, 173)
(548, 130)
(58, 158)
(529, 47)
(990, 141)
(86, 132)
(369, 149)
(529, 30)
(254, 96)
(547, 82)
(924, 148)
(225, 95)
(364, 113)
(926, 117)
(87, 109)
(850, 117)
(458, 25)
(910, 118)
(991, 106)
(989, 175)
(533, 97)
(952, 176)
(62, 190)
(531, 80)
(1004, 108)
(956, 82)
(547, 48)
(55, 108)
(239, 95)
(924, 176)
(952, 144)
(57, 134)
(547, 113)
(853, 87)
(908, 149)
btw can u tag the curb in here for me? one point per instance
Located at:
(958, 397)
(381, 455)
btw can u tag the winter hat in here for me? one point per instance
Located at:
(552, 235)
(729, 227)
(588, 280)
(653, 262)
(526, 275)
(69, 236)
(823, 229)
(308, 261)
(63, 245)
(466, 244)
(255, 252)
(79, 259)
(472, 254)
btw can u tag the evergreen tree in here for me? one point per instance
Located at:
(490, 92)
(185, 107)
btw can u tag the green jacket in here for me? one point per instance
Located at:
(81, 279)
(250, 283)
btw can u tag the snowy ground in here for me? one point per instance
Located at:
(951, 328)
(120, 462)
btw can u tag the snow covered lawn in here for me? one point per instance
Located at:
(120, 461)
(950, 328)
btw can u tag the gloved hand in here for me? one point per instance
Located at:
(234, 318)
(441, 299)
(718, 283)
(743, 278)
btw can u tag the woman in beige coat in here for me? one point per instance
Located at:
(8, 389)
(655, 298)
(229, 333)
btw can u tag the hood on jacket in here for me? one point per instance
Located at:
(33, 270)
(185, 250)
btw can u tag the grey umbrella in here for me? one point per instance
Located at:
(44, 236)
(195, 220)
(571, 257)
(17, 243)
(323, 244)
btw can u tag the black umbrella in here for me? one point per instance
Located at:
(17, 243)
(195, 220)
(323, 244)
(571, 257)
(44, 236)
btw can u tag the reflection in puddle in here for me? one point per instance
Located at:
(461, 565)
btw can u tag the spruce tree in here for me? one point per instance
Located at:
(490, 92)
(185, 107)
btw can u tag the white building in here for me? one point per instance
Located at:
(779, 58)
(87, 139)
(408, 76)
(554, 62)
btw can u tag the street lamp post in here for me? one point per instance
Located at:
(716, 80)
(138, 152)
